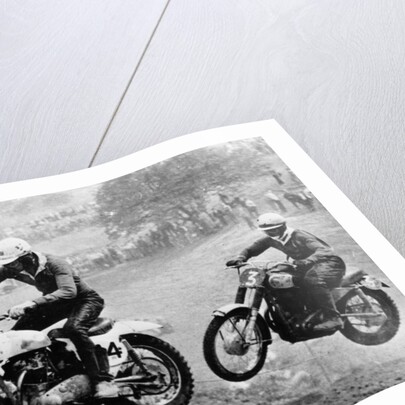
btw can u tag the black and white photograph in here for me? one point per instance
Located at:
(213, 277)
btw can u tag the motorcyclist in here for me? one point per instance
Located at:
(320, 268)
(65, 295)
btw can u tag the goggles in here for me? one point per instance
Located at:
(273, 232)
(15, 265)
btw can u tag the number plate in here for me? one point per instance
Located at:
(252, 278)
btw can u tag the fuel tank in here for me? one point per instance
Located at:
(13, 343)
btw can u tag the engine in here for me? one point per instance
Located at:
(284, 287)
(33, 365)
(291, 301)
(29, 373)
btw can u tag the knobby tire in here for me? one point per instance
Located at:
(388, 329)
(211, 356)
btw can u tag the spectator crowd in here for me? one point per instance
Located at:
(188, 223)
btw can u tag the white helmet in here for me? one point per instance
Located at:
(13, 248)
(270, 221)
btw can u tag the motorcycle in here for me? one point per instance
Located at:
(269, 299)
(43, 368)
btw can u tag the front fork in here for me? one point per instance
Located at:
(240, 295)
(254, 310)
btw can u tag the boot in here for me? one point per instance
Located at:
(106, 389)
(333, 322)
(324, 300)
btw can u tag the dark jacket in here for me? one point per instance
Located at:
(300, 246)
(55, 278)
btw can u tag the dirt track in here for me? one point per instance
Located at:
(300, 390)
(363, 383)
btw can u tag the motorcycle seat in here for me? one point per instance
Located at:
(102, 325)
(352, 278)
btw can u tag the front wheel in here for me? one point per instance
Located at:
(174, 383)
(226, 351)
(369, 322)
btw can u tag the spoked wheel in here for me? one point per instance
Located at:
(372, 321)
(226, 350)
(173, 381)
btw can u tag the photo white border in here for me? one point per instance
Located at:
(343, 210)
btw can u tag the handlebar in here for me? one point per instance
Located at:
(237, 266)
(4, 316)
(263, 264)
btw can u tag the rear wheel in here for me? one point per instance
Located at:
(174, 382)
(226, 351)
(379, 327)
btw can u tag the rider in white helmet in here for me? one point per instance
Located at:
(321, 269)
(64, 295)
(273, 224)
(12, 249)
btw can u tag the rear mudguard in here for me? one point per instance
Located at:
(228, 310)
(124, 326)
(363, 278)
(367, 282)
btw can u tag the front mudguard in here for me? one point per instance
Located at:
(226, 309)
(230, 310)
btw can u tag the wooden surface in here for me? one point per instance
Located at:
(82, 83)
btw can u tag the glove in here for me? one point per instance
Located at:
(235, 262)
(302, 264)
(19, 310)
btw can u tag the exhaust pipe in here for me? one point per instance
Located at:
(68, 391)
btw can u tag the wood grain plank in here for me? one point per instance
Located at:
(63, 68)
(330, 72)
